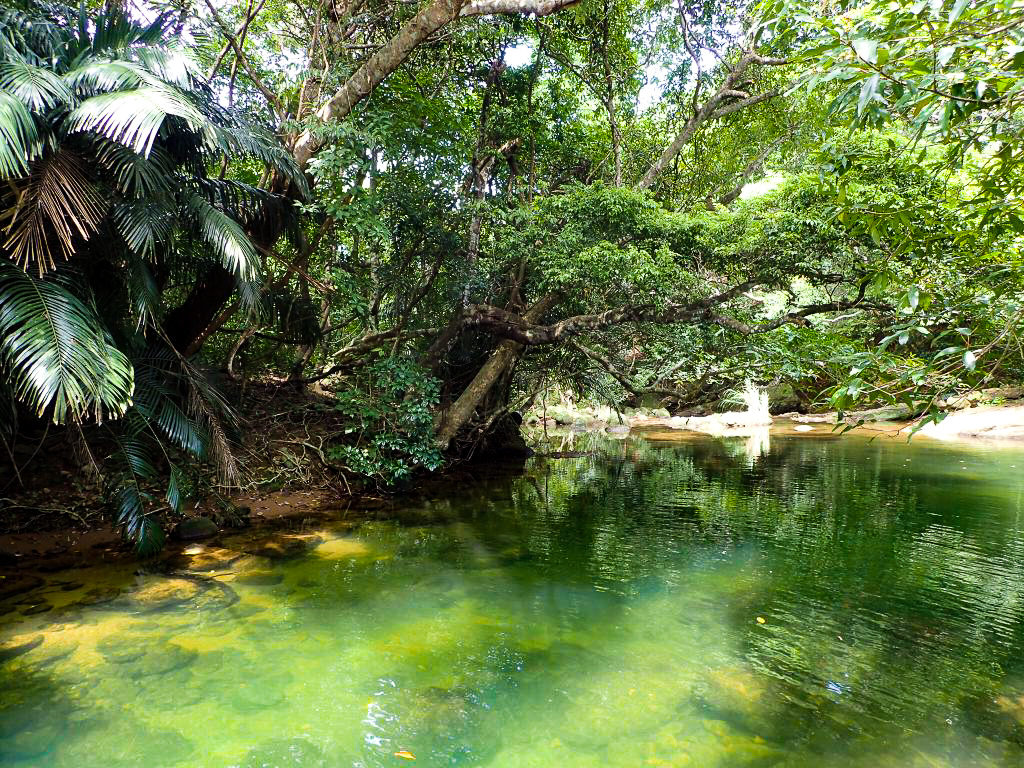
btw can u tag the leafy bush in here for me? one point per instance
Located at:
(389, 404)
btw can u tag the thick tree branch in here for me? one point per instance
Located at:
(395, 51)
(715, 107)
(513, 327)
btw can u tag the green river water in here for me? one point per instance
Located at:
(792, 601)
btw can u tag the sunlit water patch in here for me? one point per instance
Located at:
(711, 602)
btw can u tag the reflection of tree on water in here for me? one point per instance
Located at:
(890, 596)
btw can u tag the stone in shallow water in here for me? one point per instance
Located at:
(203, 559)
(124, 742)
(13, 650)
(285, 753)
(33, 609)
(170, 692)
(195, 528)
(117, 650)
(338, 549)
(100, 595)
(260, 578)
(281, 546)
(18, 584)
(265, 693)
(29, 743)
(163, 595)
(31, 715)
(144, 658)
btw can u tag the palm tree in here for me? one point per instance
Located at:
(108, 135)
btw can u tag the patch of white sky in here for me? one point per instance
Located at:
(522, 54)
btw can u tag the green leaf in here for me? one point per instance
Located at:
(913, 297)
(970, 360)
(866, 49)
(36, 87)
(868, 91)
(957, 10)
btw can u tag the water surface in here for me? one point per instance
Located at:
(808, 601)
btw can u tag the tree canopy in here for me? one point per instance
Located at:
(436, 212)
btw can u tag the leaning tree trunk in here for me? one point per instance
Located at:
(507, 352)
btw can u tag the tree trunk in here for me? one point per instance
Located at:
(613, 123)
(500, 360)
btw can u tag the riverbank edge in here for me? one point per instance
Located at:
(72, 547)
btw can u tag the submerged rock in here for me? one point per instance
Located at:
(340, 549)
(13, 650)
(17, 584)
(281, 546)
(195, 528)
(40, 607)
(260, 578)
(203, 559)
(163, 595)
(28, 743)
(142, 658)
(285, 753)
(736, 696)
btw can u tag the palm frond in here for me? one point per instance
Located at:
(169, 64)
(38, 87)
(186, 407)
(38, 38)
(230, 134)
(207, 406)
(134, 117)
(143, 292)
(59, 206)
(161, 404)
(19, 138)
(144, 225)
(134, 175)
(133, 471)
(58, 356)
(230, 243)
(94, 75)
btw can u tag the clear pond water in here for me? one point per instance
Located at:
(798, 601)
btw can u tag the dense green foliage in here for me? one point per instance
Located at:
(440, 217)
